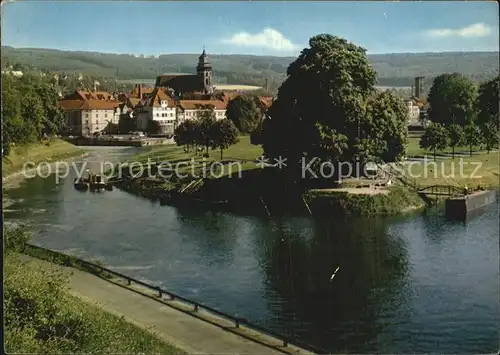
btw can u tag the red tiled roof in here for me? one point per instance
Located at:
(100, 105)
(157, 96)
(146, 90)
(229, 95)
(134, 101)
(71, 104)
(266, 101)
(86, 100)
(194, 104)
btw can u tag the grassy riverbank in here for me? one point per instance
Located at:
(256, 187)
(393, 201)
(481, 169)
(50, 151)
(42, 317)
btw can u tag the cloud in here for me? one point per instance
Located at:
(475, 30)
(268, 38)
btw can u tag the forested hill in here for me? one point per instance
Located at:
(393, 69)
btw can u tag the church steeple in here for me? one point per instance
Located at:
(204, 70)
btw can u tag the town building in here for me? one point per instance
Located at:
(141, 92)
(201, 82)
(413, 113)
(87, 113)
(188, 109)
(157, 109)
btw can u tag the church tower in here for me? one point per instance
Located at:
(205, 74)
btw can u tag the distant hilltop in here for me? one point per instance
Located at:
(394, 70)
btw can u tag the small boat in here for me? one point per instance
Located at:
(81, 185)
(96, 182)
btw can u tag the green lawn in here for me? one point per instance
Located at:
(478, 170)
(487, 174)
(243, 150)
(51, 150)
(413, 148)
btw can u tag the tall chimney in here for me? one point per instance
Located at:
(267, 84)
(140, 91)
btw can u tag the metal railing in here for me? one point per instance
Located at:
(98, 270)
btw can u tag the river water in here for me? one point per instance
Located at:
(414, 284)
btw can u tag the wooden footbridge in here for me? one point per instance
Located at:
(424, 191)
(442, 190)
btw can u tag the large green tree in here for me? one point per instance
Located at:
(488, 101)
(184, 134)
(244, 112)
(434, 138)
(472, 135)
(224, 134)
(455, 137)
(452, 99)
(490, 133)
(30, 108)
(326, 108)
(384, 129)
(326, 90)
(205, 120)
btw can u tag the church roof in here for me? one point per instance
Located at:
(180, 83)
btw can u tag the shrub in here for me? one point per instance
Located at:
(15, 239)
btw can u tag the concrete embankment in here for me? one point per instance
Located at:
(170, 320)
(461, 207)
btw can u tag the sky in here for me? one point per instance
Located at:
(280, 28)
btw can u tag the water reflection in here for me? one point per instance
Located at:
(415, 284)
(299, 261)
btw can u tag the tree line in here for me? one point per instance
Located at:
(392, 69)
(30, 109)
(462, 114)
(206, 132)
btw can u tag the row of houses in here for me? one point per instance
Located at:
(89, 112)
(163, 107)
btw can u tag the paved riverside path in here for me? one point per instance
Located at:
(198, 334)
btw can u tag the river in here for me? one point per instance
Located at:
(408, 284)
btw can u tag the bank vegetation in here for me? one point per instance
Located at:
(41, 317)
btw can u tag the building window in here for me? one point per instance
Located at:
(105, 115)
(96, 121)
(96, 115)
(86, 115)
(86, 121)
(157, 115)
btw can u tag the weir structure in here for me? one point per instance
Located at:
(459, 202)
